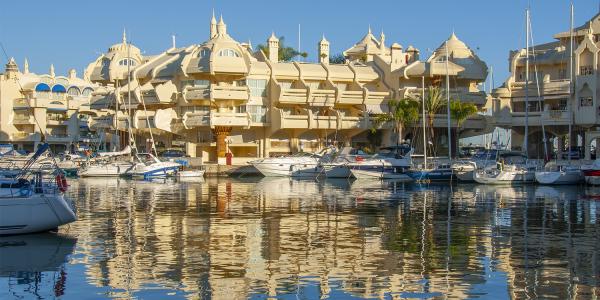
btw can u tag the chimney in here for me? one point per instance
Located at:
(397, 56)
(273, 43)
(324, 51)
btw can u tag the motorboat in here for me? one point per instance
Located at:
(34, 201)
(301, 164)
(149, 166)
(559, 174)
(338, 166)
(510, 168)
(591, 173)
(108, 164)
(389, 163)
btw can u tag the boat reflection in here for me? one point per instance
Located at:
(36, 263)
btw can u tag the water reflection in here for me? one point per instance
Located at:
(254, 237)
(33, 266)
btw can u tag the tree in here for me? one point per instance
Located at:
(461, 111)
(402, 112)
(337, 59)
(285, 53)
(434, 102)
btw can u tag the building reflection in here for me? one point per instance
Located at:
(232, 239)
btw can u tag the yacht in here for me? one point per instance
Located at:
(389, 163)
(108, 164)
(465, 168)
(437, 172)
(511, 168)
(34, 201)
(338, 167)
(554, 173)
(302, 164)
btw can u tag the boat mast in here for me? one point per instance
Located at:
(131, 139)
(423, 121)
(448, 104)
(525, 140)
(117, 142)
(571, 86)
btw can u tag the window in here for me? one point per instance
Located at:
(258, 87)
(286, 84)
(586, 101)
(313, 85)
(73, 91)
(586, 70)
(258, 113)
(229, 53)
(200, 83)
(205, 53)
(127, 62)
(342, 86)
(87, 92)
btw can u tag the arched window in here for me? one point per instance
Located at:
(127, 62)
(73, 91)
(204, 53)
(87, 91)
(229, 53)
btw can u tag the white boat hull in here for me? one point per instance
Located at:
(558, 177)
(376, 174)
(288, 170)
(157, 169)
(191, 173)
(337, 171)
(107, 170)
(506, 177)
(34, 213)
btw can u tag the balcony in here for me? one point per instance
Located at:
(323, 122)
(196, 119)
(555, 117)
(557, 87)
(191, 93)
(26, 137)
(319, 97)
(229, 119)
(229, 92)
(353, 122)
(57, 121)
(23, 120)
(21, 103)
(372, 97)
(350, 97)
(105, 122)
(289, 121)
(290, 95)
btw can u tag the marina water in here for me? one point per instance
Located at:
(306, 239)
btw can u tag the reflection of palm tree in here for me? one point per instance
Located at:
(434, 102)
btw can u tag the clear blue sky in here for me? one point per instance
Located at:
(70, 33)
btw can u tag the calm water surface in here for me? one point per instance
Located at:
(301, 239)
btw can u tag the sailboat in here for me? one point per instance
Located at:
(554, 173)
(34, 201)
(513, 167)
(439, 172)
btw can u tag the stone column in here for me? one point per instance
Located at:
(221, 133)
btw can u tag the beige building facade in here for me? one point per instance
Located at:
(224, 96)
(554, 100)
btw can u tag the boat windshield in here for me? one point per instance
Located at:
(393, 151)
(146, 158)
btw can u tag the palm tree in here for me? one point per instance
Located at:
(434, 102)
(402, 112)
(461, 111)
(284, 53)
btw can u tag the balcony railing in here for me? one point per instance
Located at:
(319, 97)
(229, 92)
(196, 119)
(191, 93)
(23, 120)
(229, 119)
(350, 97)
